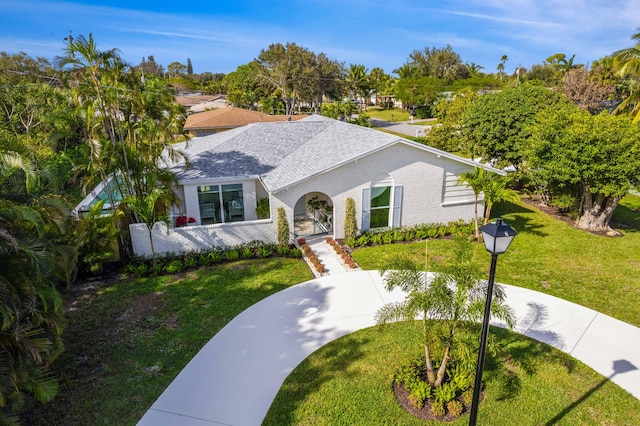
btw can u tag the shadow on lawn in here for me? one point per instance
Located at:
(336, 360)
(518, 355)
(519, 218)
(619, 367)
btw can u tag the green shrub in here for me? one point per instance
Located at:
(157, 269)
(376, 239)
(247, 253)
(421, 233)
(265, 251)
(398, 235)
(445, 393)
(363, 240)
(350, 224)
(420, 392)
(216, 257)
(174, 266)
(296, 252)
(455, 407)
(461, 379)
(410, 234)
(231, 255)
(140, 269)
(204, 259)
(387, 237)
(190, 262)
(283, 228)
(283, 250)
(351, 242)
(263, 208)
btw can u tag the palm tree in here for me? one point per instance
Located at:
(628, 63)
(477, 180)
(495, 190)
(33, 259)
(150, 210)
(455, 297)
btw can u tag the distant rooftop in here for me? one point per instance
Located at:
(231, 117)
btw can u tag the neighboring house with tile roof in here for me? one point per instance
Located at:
(221, 119)
(393, 181)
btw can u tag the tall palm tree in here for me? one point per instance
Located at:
(455, 297)
(627, 62)
(476, 180)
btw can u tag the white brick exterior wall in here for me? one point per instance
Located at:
(196, 238)
(421, 174)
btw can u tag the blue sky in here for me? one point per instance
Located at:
(219, 36)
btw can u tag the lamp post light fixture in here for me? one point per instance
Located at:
(497, 238)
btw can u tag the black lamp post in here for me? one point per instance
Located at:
(497, 237)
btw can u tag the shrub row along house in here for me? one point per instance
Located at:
(309, 167)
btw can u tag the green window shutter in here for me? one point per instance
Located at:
(397, 206)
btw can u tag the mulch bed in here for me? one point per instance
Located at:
(402, 396)
(557, 213)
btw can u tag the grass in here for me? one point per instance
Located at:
(347, 382)
(550, 256)
(127, 340)
(388, 114)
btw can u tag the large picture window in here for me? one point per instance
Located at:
(221, 203)
(380, 206)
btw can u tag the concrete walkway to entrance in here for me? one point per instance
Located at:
(236, 375)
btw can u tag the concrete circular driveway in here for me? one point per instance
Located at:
(249, 359)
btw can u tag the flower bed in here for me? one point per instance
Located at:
(342, 253)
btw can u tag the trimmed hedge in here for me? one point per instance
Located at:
(411, 233)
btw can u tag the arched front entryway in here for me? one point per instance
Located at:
(313, 215)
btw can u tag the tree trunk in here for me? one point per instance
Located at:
(596, 211)
(431, 377)
(443, 367)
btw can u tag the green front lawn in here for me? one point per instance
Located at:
(128, 339)
(550, 256)
(348, 382)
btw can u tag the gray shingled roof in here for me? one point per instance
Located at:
(282, 153)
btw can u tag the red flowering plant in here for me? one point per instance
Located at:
(182, 220)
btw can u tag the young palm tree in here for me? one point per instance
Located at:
(476, 180)
(495, 190)
(456, 297)
(150, 210)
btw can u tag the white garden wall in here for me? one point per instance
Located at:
(200, 237)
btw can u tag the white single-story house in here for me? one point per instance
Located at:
(315, 161)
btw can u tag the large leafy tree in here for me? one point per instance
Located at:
(282, 68)
(444, 64)
(455, 297)
(243, 86)
(448, 134)
(498, 124)
(418, 91)
(34, 257)
(593, 160)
